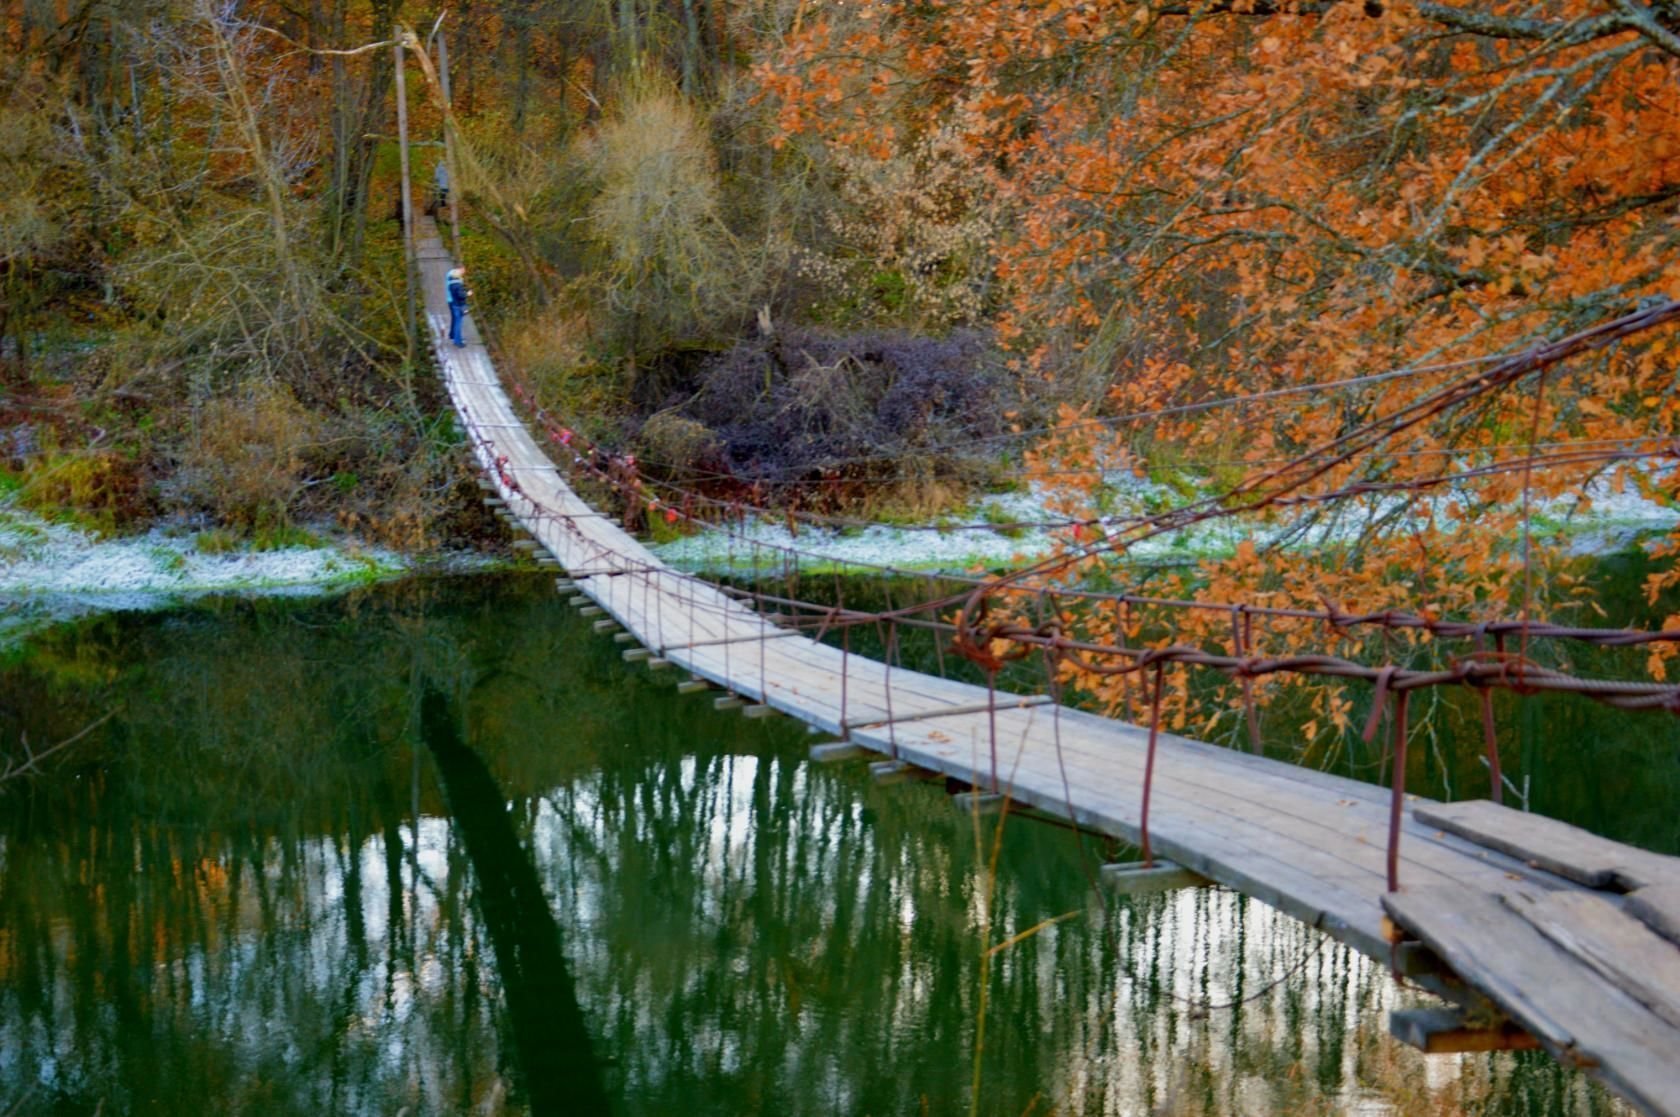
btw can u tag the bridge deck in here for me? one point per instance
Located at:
(1309, 843)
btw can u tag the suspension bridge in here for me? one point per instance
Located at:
(1534, 932)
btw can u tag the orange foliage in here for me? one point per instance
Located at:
(1208, 201)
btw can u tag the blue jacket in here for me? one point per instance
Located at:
(457, 288)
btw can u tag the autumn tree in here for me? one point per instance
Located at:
(1240, 201)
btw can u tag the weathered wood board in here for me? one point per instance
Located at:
(1582, 1019)
(1557, 847)
(1658, 907)
(1613, 943)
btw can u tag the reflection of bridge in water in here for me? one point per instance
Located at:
(1538, 932)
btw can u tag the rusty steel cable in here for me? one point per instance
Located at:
(1253, 494)
(1330, 615)
(974, 637)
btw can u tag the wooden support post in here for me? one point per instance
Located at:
(636, 655)
(985, 802)
(890, 771)
(1412, 959)
(607, 624)
(449, 161)
(623, 637)
(1138, 878)
(592, 610)
(835, 751)
(407, 198)
(762, 710)
(693, 686)
(728, 702)
(658, 664)
(1441, 1031)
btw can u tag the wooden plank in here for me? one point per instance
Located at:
(1135, 878)
(1320, 809)
(1582, 1020)
(1658, 907)
(1328, 831)
(1443, 1031)
(693, 686)
(890, 771)
(1300, 878)
(983, 802)
(1611, 943)
(835, 751)
(1004, 702)
(1556, 846)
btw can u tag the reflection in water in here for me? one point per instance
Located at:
(558, 1066)
(229, 904)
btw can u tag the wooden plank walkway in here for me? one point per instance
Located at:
(1306, 842)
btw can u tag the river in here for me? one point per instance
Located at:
(432, 847)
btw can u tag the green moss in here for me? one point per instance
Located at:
(167, 560)
(216, 541)
(281, 536)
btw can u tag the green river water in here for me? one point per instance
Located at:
(434, 848)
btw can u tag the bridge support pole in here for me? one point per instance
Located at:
(1441, 1031)
(407, 194)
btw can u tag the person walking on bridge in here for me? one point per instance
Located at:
(440, 190)
(459, 293)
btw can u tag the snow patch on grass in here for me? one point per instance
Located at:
(1611, 521)
(51, 572)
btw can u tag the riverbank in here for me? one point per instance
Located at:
(1012, 529)
(51, 572)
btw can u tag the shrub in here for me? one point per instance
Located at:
(910, 238)
(801, 407)
(100, 488)
(245, 462)
(674, 442)
(550, 348)
(669, 269)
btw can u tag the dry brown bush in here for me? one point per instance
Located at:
(679, 443)
(245, 461)
(550, 348)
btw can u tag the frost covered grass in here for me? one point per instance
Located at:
(985, 539)
(51, 572)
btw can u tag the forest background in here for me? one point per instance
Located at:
(869, 259)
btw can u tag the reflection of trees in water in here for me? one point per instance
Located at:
(223, 903)
(747, 924)
(557, 1063)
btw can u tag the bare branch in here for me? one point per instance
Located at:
(295, 45)
(1644, 20)
(32, 760)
